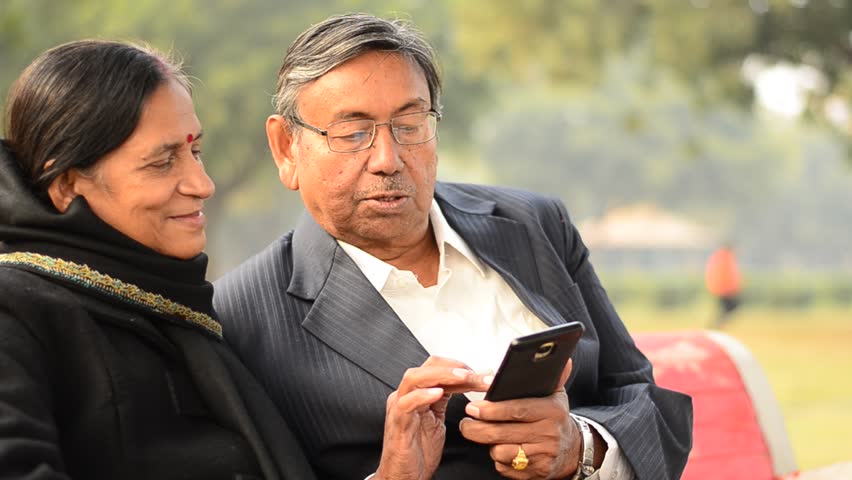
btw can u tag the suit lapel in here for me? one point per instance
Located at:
(351, 317)
(502, 243)
(348, 314)
(506, 246)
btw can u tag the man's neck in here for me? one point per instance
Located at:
(422, 258)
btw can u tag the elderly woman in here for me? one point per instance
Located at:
(112, 364)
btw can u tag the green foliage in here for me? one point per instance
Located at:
(778, 189)
(799, 291)
(704, 41)
(568, 97)
(684, 290)
(664, 291)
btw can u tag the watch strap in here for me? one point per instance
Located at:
(586, 467)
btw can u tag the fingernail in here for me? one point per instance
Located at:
(488, 379)
(472, 410)
(461, 372)
(435, 391)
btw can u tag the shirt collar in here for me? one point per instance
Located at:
(377, 271)
(445, 235)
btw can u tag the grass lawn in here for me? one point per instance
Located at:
(807, 356)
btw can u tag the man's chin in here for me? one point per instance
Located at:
(386, 234)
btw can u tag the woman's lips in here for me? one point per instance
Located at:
(194, 219)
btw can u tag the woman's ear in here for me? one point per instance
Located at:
(281, 144)
(62, 189)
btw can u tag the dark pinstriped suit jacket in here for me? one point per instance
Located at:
(330, 350)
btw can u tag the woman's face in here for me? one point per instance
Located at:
(152, 188)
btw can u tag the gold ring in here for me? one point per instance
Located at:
(520, 461)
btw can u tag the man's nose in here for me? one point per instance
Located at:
(384, 153)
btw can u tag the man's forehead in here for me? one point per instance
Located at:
(344, 113)
(367, 65)
(374, 80)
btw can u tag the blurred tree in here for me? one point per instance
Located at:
(705, 41)
(234, 50)
(778, 189)
(569, 97)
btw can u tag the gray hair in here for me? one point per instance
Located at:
(340, 38)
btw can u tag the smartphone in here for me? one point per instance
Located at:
(533, 363)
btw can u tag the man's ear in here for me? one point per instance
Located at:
(62, 189)
(281, 144)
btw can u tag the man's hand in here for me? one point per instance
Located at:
(414, 420)
(543, 426)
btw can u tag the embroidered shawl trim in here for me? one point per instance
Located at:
(86, 277)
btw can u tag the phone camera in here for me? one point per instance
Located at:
(544, 350)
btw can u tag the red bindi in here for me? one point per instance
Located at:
(189, 138)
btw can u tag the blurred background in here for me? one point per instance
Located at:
(667, 127)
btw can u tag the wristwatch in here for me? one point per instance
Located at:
(586, 468)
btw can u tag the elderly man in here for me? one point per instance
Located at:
(394, 289)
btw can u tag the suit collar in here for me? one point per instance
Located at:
(503, 243)
(378, 271)
(507, 246)
(313, 254)
(314, 248)
(350, 315)
(462, 201)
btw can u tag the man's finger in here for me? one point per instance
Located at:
(453, 379)
(505, 452)
(440, 407)
(524, 410)
(436, 361)
(419, 400)
(488, 433)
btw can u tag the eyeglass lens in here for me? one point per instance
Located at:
(408, 129)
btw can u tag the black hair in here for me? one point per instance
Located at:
(79, 101)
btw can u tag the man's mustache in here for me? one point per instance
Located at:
(394, 183)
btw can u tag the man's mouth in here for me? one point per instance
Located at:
(389, 198)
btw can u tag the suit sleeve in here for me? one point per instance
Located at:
(29, 447)
(652, 425)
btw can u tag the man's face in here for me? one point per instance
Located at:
(377, 198)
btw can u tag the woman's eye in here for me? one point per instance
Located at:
(163, 164)
(196, 153)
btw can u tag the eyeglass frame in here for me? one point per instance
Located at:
(376, 125)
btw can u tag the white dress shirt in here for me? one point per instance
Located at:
(472, 301)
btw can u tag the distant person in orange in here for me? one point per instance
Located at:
(724, 282)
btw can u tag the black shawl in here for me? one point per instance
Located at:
(37, 238)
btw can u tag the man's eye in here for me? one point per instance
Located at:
(353, 137)
(407, 128)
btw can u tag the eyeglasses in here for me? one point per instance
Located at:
(349, 136)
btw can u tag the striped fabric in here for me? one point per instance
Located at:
(329, 349)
